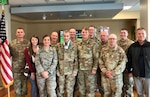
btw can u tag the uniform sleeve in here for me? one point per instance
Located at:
(102, 64)
(58, 65)
(38, 64)
(53, 66)
(75, 68)
(121, 64)
(96, 56)
(28, 59)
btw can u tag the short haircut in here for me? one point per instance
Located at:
(66, 31)
(141, 28)
(92, 26)
(124, 29)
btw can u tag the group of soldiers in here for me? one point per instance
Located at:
(88, 65)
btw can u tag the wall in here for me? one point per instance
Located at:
(17, 22)
(145, 14)
(41, 28)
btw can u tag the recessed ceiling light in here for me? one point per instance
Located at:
(90, 15)
(44, 17)
(126, 7)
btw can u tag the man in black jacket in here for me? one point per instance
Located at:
(139, 63)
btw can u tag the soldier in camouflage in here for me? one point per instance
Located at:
(54, 39)
(112, 64)
(17, 47)
(104, 39)
(73, 38)
(45, 63)
(103, 43)
(67, 66)
(92, 34)
(73, 35)
(54, 43)
(124, 42)
(88, 63)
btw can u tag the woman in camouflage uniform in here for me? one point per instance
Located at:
(46, 62)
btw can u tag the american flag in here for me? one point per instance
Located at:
(5, 62)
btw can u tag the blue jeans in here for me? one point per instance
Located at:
(34, 88)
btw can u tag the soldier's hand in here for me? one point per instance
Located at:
(74, 74)
(111, 77)
(45, 74)
(93, 72)
(108, 74)
(58, 74)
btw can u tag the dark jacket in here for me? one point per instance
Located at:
(133, 59)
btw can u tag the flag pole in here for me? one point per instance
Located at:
(8, 88)
(3, 8)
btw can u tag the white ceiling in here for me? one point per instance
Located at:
(69, 9)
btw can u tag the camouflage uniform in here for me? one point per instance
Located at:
(76, 88)
(103, 45)
(46, 61)
(101, 89)
(67, 66)
(18, 65)
(57, 87)
(88, 61)
(95, 39)
(128, 82)
(113, 60)
(98, 73)
(76, 41)
(54, 45)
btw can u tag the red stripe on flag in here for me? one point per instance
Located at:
(8, 67)
(4, 81)
(6, 64)
(6, 52)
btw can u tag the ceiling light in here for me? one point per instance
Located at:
(90, 15)
(44, 17)
(126, 7)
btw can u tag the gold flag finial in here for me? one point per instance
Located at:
(3, 10)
